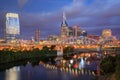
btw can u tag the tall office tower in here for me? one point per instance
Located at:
(75, 31)
(37, 35)
(64, 27)
(12, 28)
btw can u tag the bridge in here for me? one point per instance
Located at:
(79, 44)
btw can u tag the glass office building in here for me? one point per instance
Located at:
(12, 29)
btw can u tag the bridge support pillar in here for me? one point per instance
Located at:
(60, 53)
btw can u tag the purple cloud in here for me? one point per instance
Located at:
(22, 3)
(98, 14)
(93, 17)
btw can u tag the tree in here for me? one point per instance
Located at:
(45, 48)
(68, 50)
(108, 65)
(117, 73)
(52, 47)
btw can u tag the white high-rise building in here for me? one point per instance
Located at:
(12, 28)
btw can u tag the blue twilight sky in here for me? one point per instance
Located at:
(46, 15)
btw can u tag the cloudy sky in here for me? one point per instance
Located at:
(46, 15)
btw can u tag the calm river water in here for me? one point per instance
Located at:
(45, 72)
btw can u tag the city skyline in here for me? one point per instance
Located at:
(91, 15)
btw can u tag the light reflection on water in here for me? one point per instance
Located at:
(43, 72)
(81, 64)
(13, 74)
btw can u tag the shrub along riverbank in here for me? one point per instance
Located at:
(45, 54)
(110, 67)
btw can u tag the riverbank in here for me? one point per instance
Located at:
(7, 56)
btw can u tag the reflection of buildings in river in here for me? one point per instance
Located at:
(13, 73)
(81, 64)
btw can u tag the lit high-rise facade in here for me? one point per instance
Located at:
(74, 31)
(77, 31)
(37, 35)
(64, 27)
(12, 28)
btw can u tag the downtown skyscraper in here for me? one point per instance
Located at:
(12, 28)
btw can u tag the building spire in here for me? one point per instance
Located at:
(64, 16)
(64, 23)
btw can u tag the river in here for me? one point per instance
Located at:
(47, 72)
